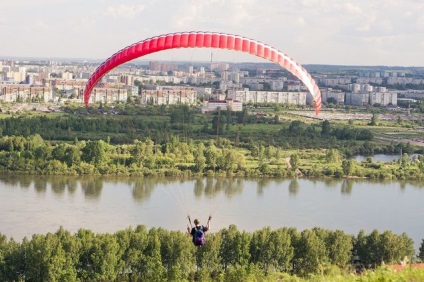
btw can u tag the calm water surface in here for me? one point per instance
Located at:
(31, 205)
(383, 157)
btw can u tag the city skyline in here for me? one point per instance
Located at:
(312, 32)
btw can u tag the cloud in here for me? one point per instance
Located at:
(25, 3)
(124, 11)
(312, 31)
(352, 9)
(301, 21)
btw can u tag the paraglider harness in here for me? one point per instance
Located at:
(199, 234)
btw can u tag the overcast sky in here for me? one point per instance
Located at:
(338, 32)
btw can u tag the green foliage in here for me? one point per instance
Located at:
(229, 255)
(421, 251)
(375, 248)
(176, 158)
(325, 127)
(294, 161)
(310, 255)
(374, 119)
(215, 157)
(93, 152)
(235, 247)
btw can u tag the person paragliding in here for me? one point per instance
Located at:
(198, 231)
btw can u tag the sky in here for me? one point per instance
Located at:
(335, 32)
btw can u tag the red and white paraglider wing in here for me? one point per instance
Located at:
(204, 40)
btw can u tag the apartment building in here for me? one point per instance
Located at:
(24, 92)
(108, 95)
(371, 98)
(383, 98)
(335, 94)
(169, 96)
(247, 96)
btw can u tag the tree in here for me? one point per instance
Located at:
(72, 156)
(332, 156)
(235, 247)
(259, 253)
(281, 249)
(294, 161)
(46, 260)
(310, 254)
(339, 246)
(177, 254)
(208, 257)
(58, 152)
(421, 251)
(132, 244)
(325, 128)
(70, 246)
(295, 127)
(12, 259)
(374, 119)
(404, 160)
(211, 154)
(332, 100)
(218, 122)
(86, 242)
(152, 268)
(94, 152)
(137, 151)
(42, 152)
(368, 248)
(271, 250)
(347, 166)
(105, 257)
(199, 158)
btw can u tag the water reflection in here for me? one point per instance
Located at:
(347, 186)
(142, 188)
(199, 187)
(92, 187)
(261, 185)
(233, 186)
(59, 185)
(25, 182)
(215, 186)
(332, 182)
(293, 187)
(40, 184)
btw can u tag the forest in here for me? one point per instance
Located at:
(138, 254)
(177, 141)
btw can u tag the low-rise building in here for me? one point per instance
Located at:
(247, 96)
(214, 105)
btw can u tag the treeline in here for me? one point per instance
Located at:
(239, 127)
(176, 158)
(67, 128)
(229, 255)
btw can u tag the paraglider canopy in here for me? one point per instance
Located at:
(201, 39)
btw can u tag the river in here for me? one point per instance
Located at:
(34, 204)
